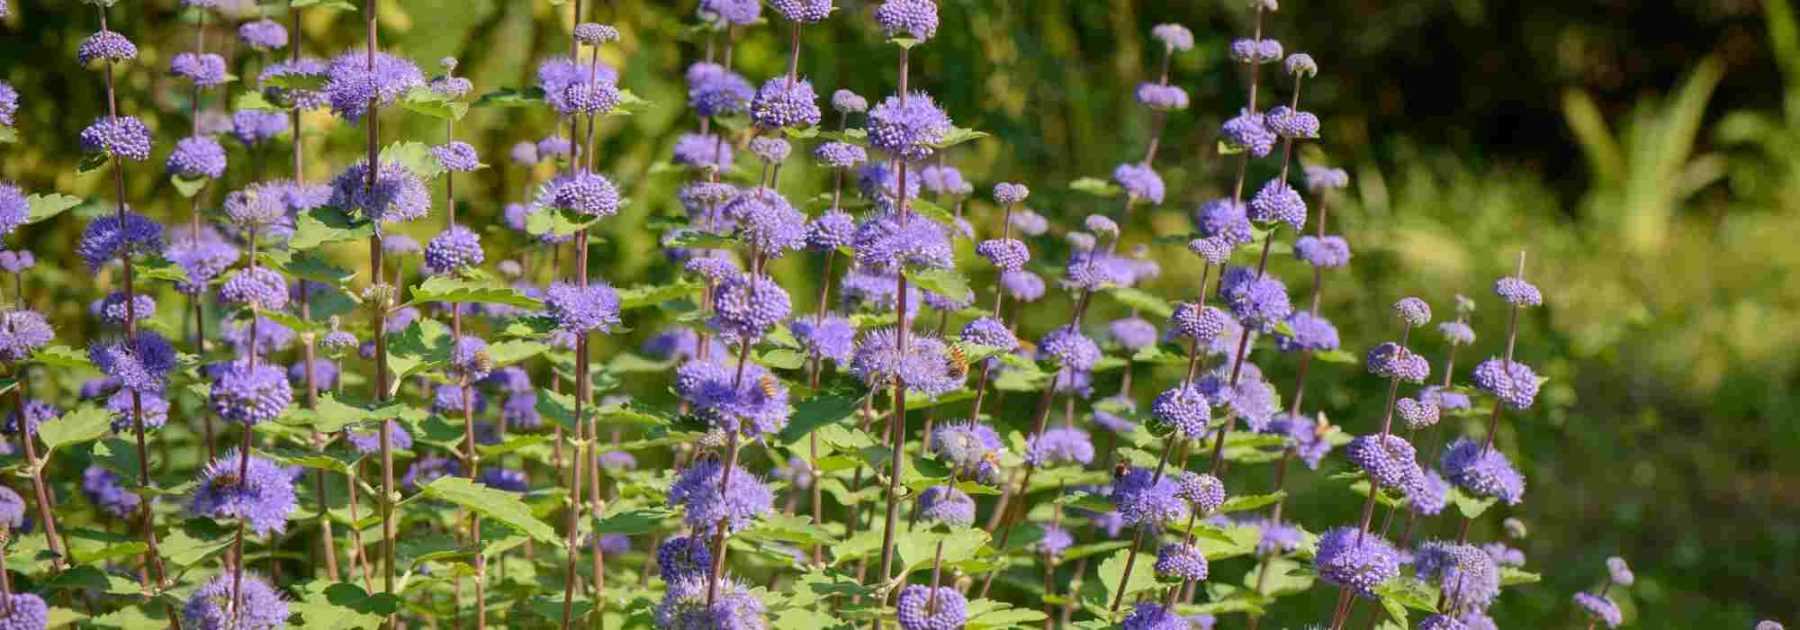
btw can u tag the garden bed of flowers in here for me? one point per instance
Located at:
(291, 414)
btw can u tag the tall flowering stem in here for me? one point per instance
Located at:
(378, 313)
(155, 578)
(1493, 426)
(1306, 355)
(897, 421)
(309, 341)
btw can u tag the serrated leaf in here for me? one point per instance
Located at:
(423, 344)
(323, 226)
(945, 282)
(509, 97)
(82, 424)
(958, 135)
(1469, 505)
(159, 269)
(782, 359)
(498, 505)
(57, 355)
(92, 162)
(194, 542)
(504, 353)
(652, 295)
(629, 103)
(309, 266)
(1252, 502)
(558, 221)
(632, 521)
(253, 100)
(1143, 301)
(415, 156)
(423, 100)
(918, 548)
(188, 186)
(1112, 575)
(446, 289)
(790, 528)
(328, 416)
(46, 207)
(1001, 615)
(307, 82)
(816, 412)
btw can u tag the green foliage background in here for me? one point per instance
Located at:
(1644, 156)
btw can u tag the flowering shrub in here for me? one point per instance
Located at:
(328, 442)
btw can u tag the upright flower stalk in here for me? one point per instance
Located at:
(117, 140)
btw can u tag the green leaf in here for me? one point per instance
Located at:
(1001, 615)
(411, 550)
(558, 221)
(1510, 576)
(92, 162)
(818, 411)
(790, 528)
(188, 186)
(83, 424)
(632, 521)
(1112, 575)
(415, 156)
(341, 606)
(194, 542)
(1335, 356)
(958, 135)
(323, 226)
(159, 269)
(629, 103)
(1252, 501)
(1143, 301)
(57, 355)
(309, 82)
(253, 100)
(945, 282)
(310, 266)
(782, 359)
(497, 505)
(1470, 506)
(526, 97)
(424, 343)
(1096, 186)
(1285, 576)
(918, 548)
(8, 135)
(46, 207)
(426, 101)
(652, 295)
(1401, 593)
(512, 351)
(329, 416)
(448, 289)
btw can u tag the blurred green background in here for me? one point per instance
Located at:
(1646, 154)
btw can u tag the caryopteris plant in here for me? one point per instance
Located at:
(340, 428)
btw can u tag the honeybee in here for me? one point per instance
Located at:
(959, 359)
(770, 387)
